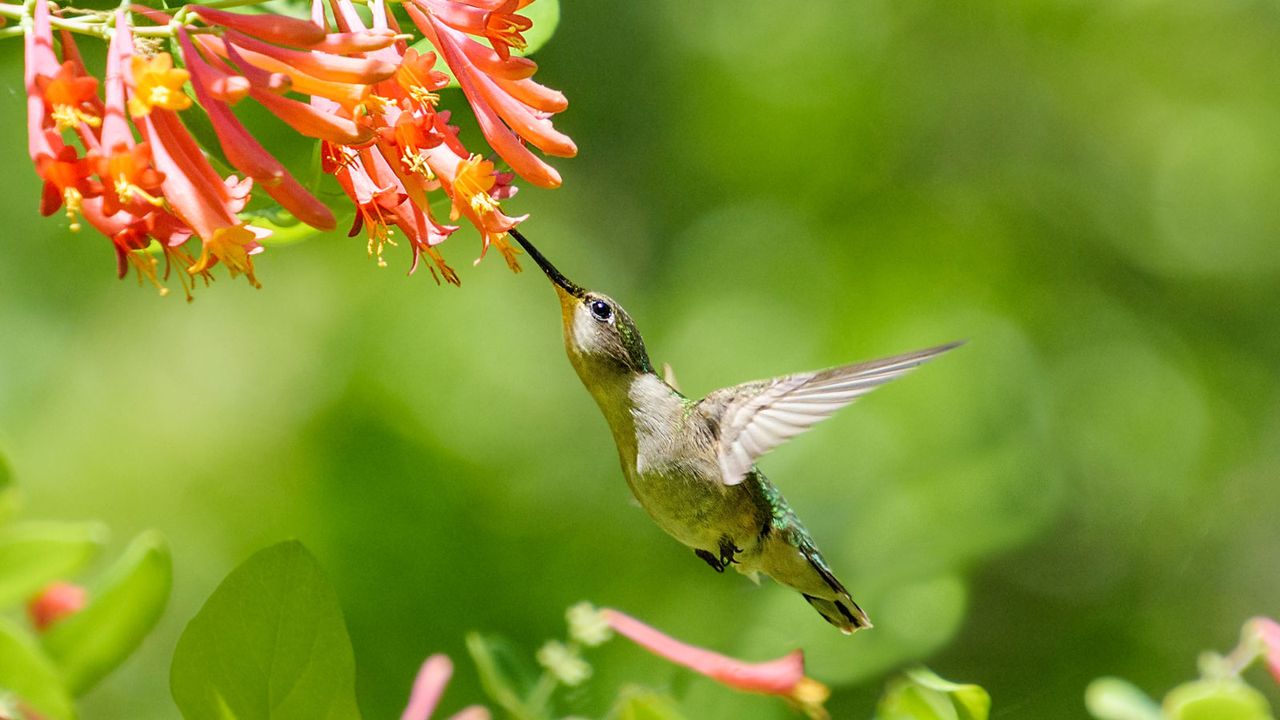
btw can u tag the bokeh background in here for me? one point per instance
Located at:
(1089, 193)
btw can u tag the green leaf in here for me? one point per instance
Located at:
(641, 704)
(28, 674)
(545, 15)
(1226, 699)
(8, 490)
(921, 695)
(285, 228)
(34, 554)
(1111, 698)
(122, 609)
(269, 643)
(497, 685)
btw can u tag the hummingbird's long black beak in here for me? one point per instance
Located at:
(547, 267)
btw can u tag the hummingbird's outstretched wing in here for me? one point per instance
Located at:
(757, 417)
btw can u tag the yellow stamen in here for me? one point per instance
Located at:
(73, 198)
(66, 117)
(483, 203)
(423, 96)
(416, 162)
(126, 191)
(143, 262)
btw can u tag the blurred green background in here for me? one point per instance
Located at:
(1088, 192)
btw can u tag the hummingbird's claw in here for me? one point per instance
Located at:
(711, 560)
(727, 552)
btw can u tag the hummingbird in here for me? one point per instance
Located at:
(691, 463)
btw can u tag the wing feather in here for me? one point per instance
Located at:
(758, 417)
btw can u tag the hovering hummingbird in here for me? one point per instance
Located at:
(691, 463)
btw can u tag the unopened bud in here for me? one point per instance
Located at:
(54, 603)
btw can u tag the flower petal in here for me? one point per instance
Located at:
(776, 677)
(353, 42)
(428, 687)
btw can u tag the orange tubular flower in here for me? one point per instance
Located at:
(69, 95)
(245, 152)
(66, 182)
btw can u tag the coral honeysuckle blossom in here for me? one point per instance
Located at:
(783, 677)
(126, 163)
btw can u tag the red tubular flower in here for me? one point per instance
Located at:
(245, 152)
(320, 65)
(53, 88)
(783, 677)
(200, 198)
(497, 23)
(252, 63)
(365, 41)
(267, 26)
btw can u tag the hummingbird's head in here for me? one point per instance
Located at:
(597, 330)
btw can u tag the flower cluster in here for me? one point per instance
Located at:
(127, 164)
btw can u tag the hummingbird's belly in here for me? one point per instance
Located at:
(696, 511)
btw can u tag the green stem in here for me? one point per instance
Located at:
(541, 693)
(101, 26)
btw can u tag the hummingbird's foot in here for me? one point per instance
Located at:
(711, 560)
(728, 551)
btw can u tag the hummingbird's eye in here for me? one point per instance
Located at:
(601, 311)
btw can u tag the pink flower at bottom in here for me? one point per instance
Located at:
(783, 677)
(429, 686)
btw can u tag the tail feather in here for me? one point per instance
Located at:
(841, 610)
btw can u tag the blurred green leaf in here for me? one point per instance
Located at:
(1111, 698)
(269, 643)
(545, 15)
(26, 672)
(921, 695)
(494, 678)
(285, 229)
(34, 554)
(124, 607)
(641, 704)
(8, 491)
(1216, 700)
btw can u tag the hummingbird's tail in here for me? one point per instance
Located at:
(840, 610)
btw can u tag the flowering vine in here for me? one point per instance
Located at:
(118, 153)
